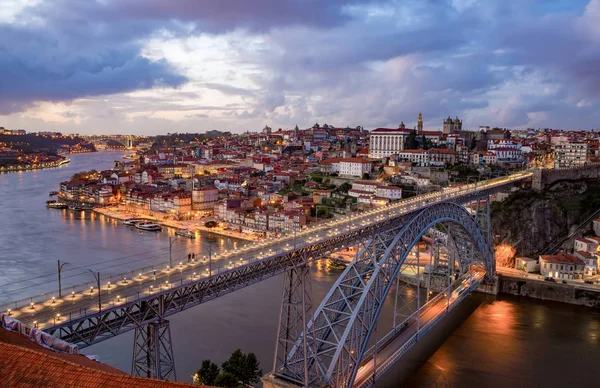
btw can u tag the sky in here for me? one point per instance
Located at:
(152, 66)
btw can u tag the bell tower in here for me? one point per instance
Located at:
(420, 123)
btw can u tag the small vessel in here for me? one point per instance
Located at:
(56, 205)
(131, 221)
(148, 226)
(186, 233)
(53, 193)
(76, 208)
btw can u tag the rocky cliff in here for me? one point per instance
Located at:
(530, 221)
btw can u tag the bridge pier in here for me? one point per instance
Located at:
(296, 307)
(153, 351)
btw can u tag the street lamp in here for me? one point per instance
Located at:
(96, 276)
(171, 241)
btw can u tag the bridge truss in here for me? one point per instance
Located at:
(329, 350)
(379, 254)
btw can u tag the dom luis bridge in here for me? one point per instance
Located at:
(324, 345)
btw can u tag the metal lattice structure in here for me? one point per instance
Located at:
(153, 352)
(84, 324)
(342, 324)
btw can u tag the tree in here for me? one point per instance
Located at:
(210, 224)
(207, 374)
(244, 367)
(411, 140)
(226, 379)
(366, 176)
(426, 143)
(344, 187)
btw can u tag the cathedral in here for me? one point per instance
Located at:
(452, 126)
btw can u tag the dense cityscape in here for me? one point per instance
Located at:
(287, 193)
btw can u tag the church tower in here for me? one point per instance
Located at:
(420, 123)
(402, 126)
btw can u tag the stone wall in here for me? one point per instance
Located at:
(544, 177)
(557, 292)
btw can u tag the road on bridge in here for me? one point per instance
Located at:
(47, 311)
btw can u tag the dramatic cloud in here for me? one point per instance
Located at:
(140, 65)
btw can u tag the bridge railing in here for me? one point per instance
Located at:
(409, 204)
(385, 365)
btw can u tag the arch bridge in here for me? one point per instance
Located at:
(330, 348)
(339, 329)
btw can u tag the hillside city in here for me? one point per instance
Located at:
(262, 184)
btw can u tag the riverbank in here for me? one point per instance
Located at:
(571, 293)
(41, 166)
(122, 214)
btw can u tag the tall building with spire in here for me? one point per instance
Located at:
(420, 123)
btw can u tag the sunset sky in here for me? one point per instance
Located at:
(157, 66)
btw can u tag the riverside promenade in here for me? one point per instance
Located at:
(121, 213)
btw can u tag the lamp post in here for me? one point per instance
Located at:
(96, 276)
(171, 241)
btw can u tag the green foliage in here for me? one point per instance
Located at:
(210, 224)
(366, 176)
(208, 373)
(226, 379)
(344, 187)
(411, 140)
(244, 367)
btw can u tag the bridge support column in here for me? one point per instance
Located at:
(296, 307)
(153, 351)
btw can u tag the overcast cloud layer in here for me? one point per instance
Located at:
(151, 66)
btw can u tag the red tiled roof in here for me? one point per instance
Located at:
(564, 258)
(26, 364)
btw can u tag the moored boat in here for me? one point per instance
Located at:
(76, 208)
(148, 226)
(56, 205)
(53, 193)
(186, 233)
(131, 221)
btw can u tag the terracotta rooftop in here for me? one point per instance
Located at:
(563, 258)
(27, 364)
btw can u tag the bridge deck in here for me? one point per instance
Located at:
(188, 284)
(396, 343)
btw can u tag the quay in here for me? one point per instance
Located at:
(122, 214)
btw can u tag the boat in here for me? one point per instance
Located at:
(131, 221)
(56, 205)
(52, 193)
(186, 233)
(76, 208)
(148, 226)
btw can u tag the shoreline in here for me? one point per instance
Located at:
(32, 168)
(535, 288)
(121, 215)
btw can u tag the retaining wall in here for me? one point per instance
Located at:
(558, 292)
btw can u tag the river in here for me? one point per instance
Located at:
(485, 342)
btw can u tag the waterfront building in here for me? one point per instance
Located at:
(562, 266)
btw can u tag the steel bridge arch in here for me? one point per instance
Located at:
(338, 334)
